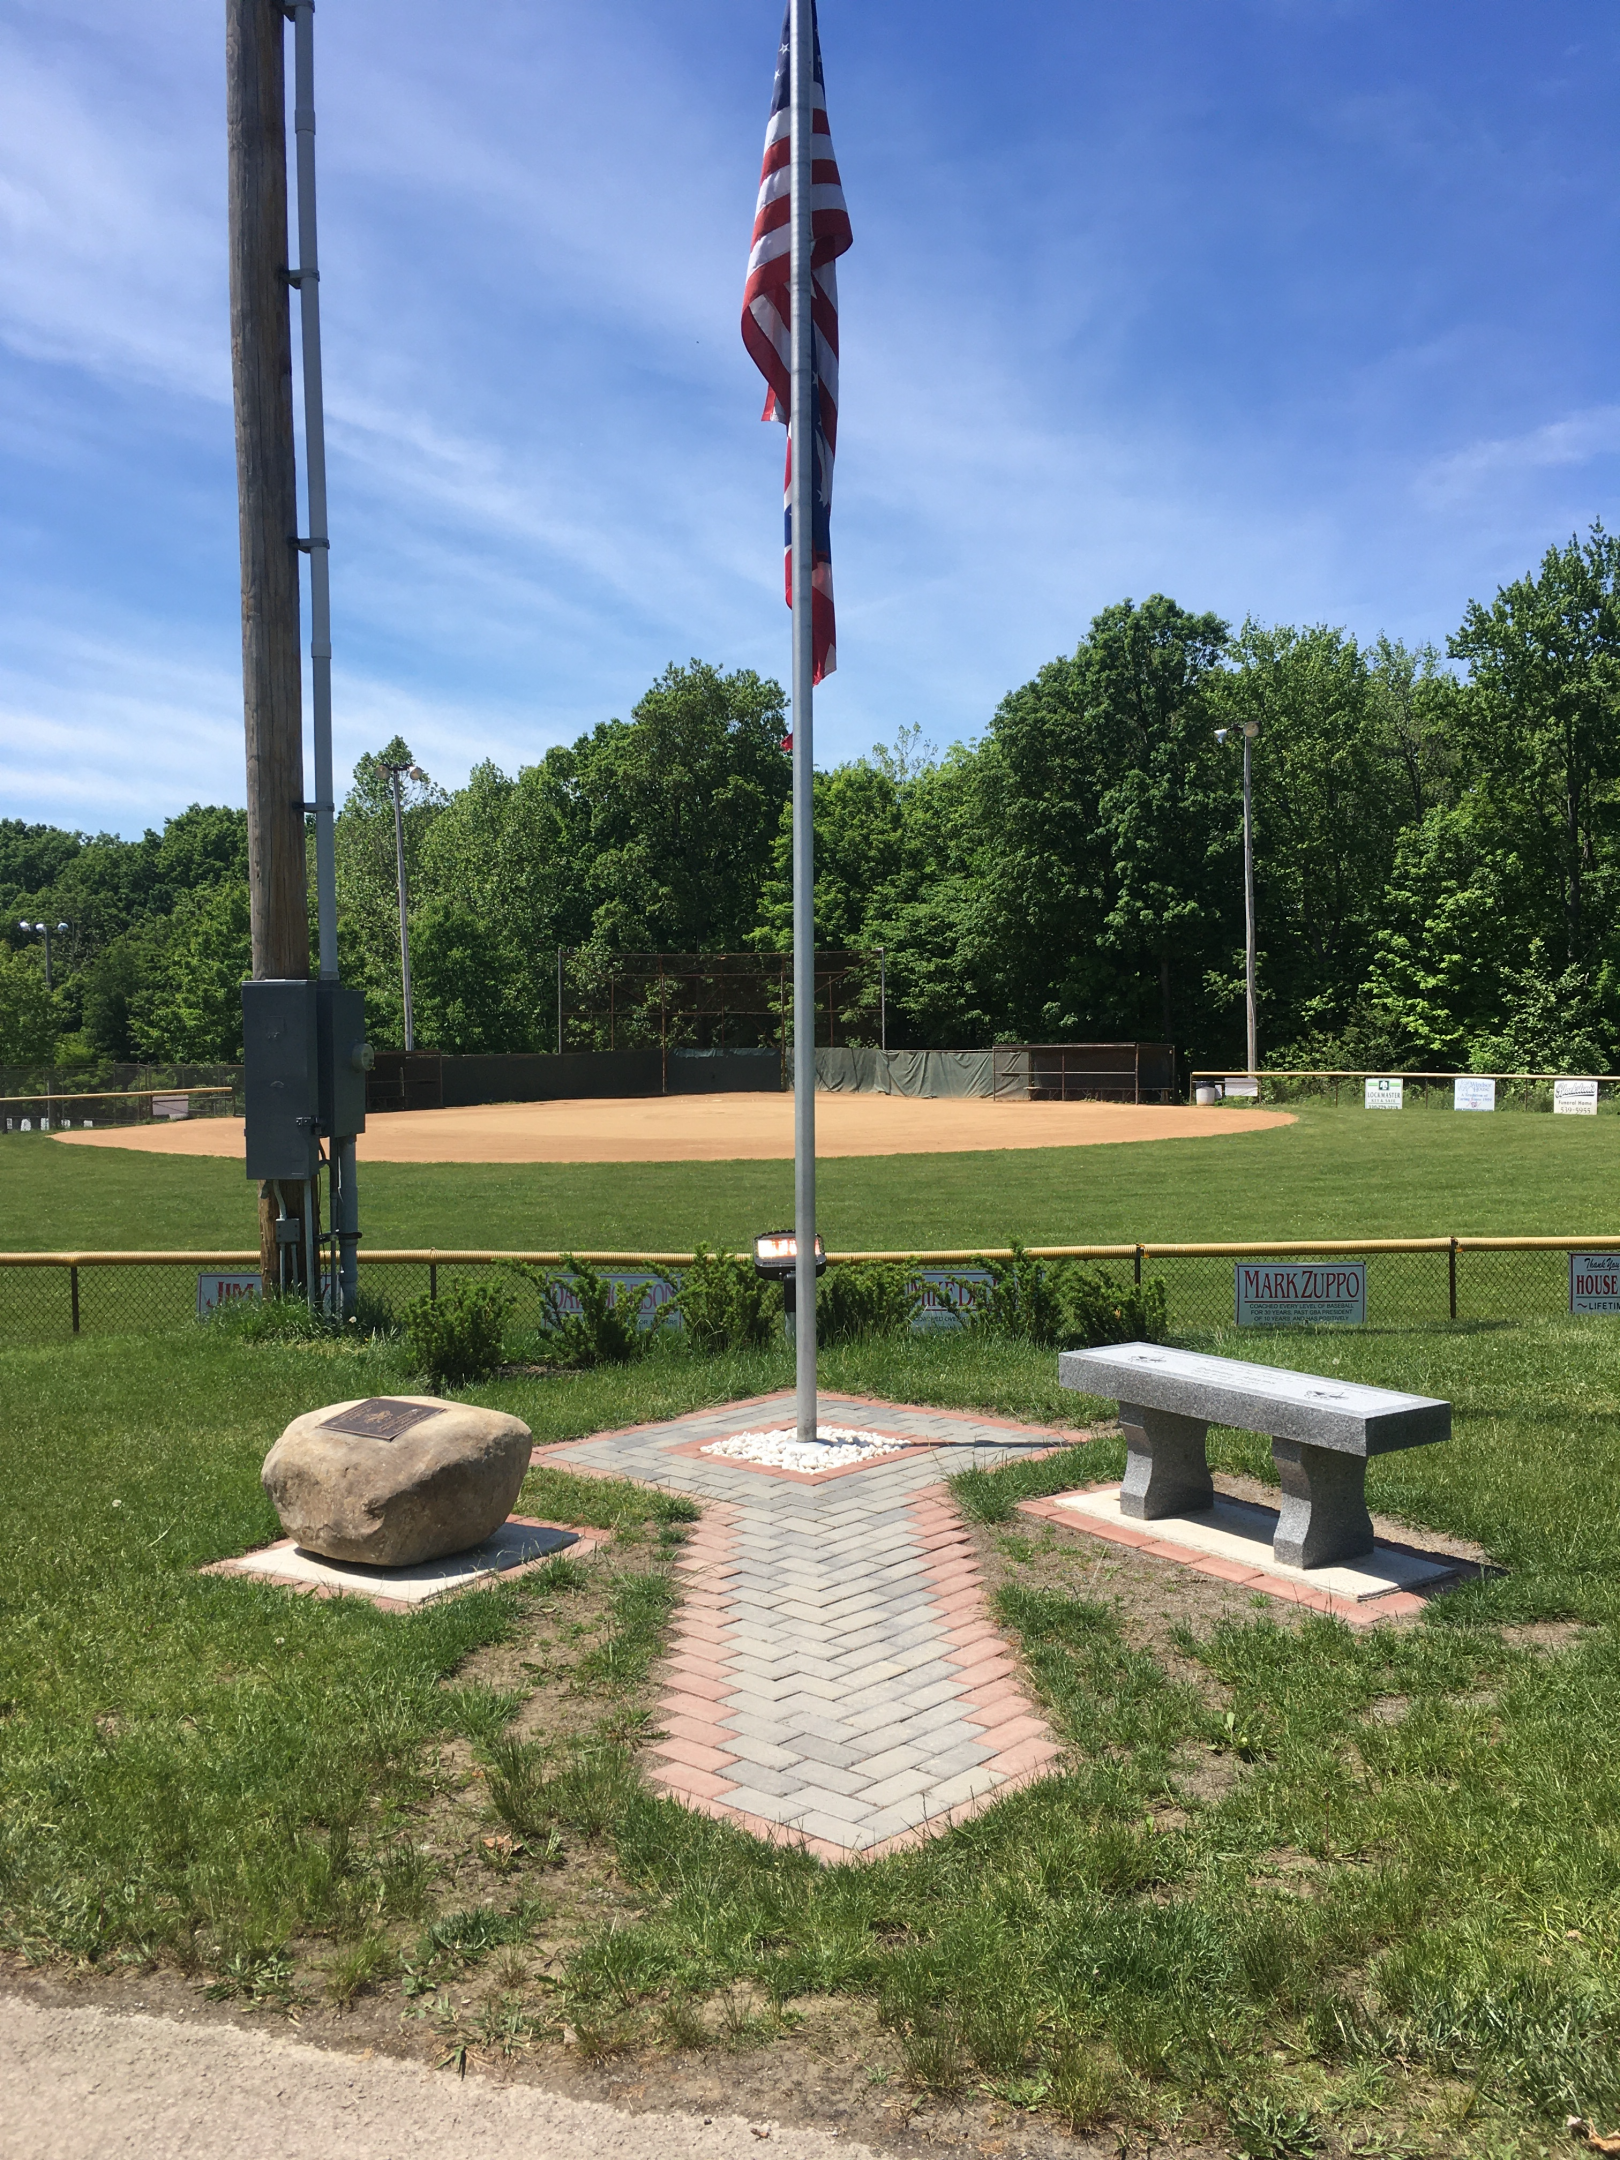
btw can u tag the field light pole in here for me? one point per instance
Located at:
(801, 59)
(413, 772)
(44, 930)
(1251, 729)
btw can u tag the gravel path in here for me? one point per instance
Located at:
(98, 2085)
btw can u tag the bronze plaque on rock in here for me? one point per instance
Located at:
(384, 1417)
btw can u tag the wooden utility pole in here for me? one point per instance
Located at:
(267, 497)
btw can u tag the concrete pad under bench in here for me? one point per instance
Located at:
(519, 1545)
(1241, 1531)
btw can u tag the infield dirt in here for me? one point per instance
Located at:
(720, 1128)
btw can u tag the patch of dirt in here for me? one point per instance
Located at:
(1389, 1709)
(1545, 1636)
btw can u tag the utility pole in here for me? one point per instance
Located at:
(267, 496)
(1251, 729)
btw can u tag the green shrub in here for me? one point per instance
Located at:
(724, 1305)
(1024, 1300)
(1066, 1304)
(854, 1303)
(602, 1332)
(458, 1337)
(1096, 1309)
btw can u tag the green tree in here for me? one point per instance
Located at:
(29, 1017)
(1108, 876)
(190, 1009)
(1543, 747)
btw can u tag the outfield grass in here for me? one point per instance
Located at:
(1397, 1918)
(1335, 1173)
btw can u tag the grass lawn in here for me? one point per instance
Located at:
(1300, 1890)
(1335, 1173)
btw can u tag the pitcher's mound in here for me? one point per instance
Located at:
(721, 1128)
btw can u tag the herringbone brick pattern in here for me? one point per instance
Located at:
(836, 1678)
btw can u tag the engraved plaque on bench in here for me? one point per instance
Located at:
(383, 1417)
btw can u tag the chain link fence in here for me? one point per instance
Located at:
(46, 1298)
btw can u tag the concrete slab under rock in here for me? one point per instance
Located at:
(518, 1545)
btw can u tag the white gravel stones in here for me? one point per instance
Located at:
(835, 1447)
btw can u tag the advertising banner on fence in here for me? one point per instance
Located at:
(1473, 1094)
(216, 1290)
(1384, 1094)
(648, 1293)
(1594, 1282)
(948, 1296)
(1575, 1098)
(1277, 1293)
(1241, 1089)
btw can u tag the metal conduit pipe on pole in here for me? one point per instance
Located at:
(316, 544)
(801, 512)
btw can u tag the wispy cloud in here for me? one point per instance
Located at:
(1578, 439)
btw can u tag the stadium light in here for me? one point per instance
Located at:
(44, 930)
(413, 772)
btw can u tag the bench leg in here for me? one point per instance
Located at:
(1166, 1470)
(1324, 1515)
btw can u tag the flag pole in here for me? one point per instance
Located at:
(801, 510)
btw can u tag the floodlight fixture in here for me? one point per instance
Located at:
(776, 1255)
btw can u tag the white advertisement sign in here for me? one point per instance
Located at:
(1473, 1094)
(1575, 1098)
(1277, 1293)
(213, 1291)
(948, 1295)
(1382, 1094)
(1241, 1090)
(648, 1293)
(1594, 1282)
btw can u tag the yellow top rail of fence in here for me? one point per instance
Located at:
(959, 1256)
(55, 1093)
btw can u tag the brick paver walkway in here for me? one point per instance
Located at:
(836, 1678)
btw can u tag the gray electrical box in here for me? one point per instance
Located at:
(345, 1059)
(281, 1082)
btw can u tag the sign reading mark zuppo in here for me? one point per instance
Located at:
(1594, 1282)
(1575, 1098)
(1273, 1293)
(1383, 1094)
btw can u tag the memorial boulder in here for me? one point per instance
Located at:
(397, 1479)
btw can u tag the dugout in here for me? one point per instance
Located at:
(1132, 1072)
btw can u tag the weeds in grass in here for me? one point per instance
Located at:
(682, 2025)
(359, 1967)
(465, 1937)
(1080, 2086)
(1267, 2129)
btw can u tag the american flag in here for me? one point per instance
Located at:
(767, 309)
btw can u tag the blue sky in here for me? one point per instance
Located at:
(1298, 308)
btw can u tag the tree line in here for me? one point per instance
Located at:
(1437, 845)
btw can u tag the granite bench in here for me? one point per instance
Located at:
(1322, 1433)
